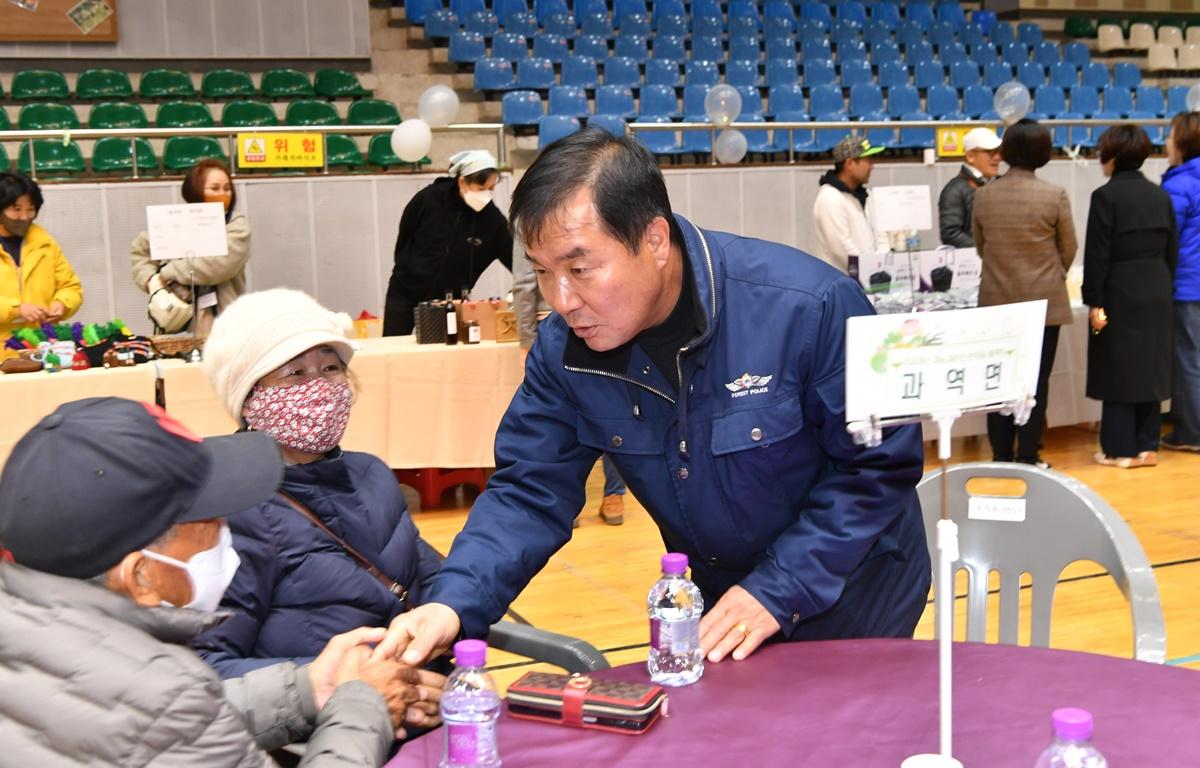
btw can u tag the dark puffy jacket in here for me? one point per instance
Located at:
(296, 588)
(1183, 185)
(955, 205)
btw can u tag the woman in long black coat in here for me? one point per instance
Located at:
(1128, 278)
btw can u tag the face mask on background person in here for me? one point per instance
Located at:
(477, 199)
(19, 227)
(209, 571)
(225, 200)
(309, 417)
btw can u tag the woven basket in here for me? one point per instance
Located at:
(177, 344)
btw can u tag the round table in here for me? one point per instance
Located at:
(866, 703)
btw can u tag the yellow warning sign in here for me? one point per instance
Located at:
(280, 150)
(950, 140)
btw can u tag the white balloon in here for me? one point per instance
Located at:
(1011, 102)
(411, 140)
(438, 105)
(722, 104)
(1193, 98)
(730, 147)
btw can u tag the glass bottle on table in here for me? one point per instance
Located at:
(470, 707)
(1072, 746)
(675, 606)
(451, 319)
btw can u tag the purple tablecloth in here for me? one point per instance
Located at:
(866, 703)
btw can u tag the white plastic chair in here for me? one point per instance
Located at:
(1065, 521)
(1189, 56)
(1110, 38)
(1141, 36)
(1161, 56)
(1172, 36)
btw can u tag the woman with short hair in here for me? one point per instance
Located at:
(1182, 183)
(1128, 269)
(1026, 240)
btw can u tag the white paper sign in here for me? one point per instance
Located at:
(920, 364)
(184, 231)
(1001, 509)
(948, 267)
(901, 208)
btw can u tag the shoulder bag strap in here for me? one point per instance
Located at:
(393, 586)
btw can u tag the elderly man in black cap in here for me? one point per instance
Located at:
(115, 554)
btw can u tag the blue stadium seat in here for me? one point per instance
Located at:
(1031, 74)
(506, 45)
(583, 8)
(744, 9)
(698, 72)
(696, 142)
(816, 50)
(550, 46)
(1029, 33)
(1016, 53)
(622, 71)
(941, 101)
(581, 71)
(505, 8)
(443, 23)
(466, 46)
(1118, 100)
(1095, 75)
(1050, 100)
(819, 72)
(537, 74)
(707, 25)
(597, 24)
(614, 124)
(881, 52)
(892, 74)
(826, 100)
(779, 14)
(693, 102)
(865, 99)
(852, 51)
(876, 32)
(637, 24)
(483, 22)
(841, 34)
(984, 54)
(781, 47)
(942, 34)
(909, 33)
(669, 48)
(1157, 133)
(825, 139)
(786, 99)
(1177, 99)
(633, 47)
(521, 108)
(658, 100)
(851, 10)
(744, 48)
(615, 100)
(658, 142)
(1047, 54)
(901, 99)
(560, 24)
(671, 26)
(522, 23)
(1126, 74)
(752, 103)
(886, 12)
(964, 73)
(927, 74)
(1085, 100)
(855, 73)
(973, 35)
(802, 140)
(781, 72)
(569, 100)
(818, 12)
(551, 128)
(759, 142)
(918, 52)
(591, 46)
(952, 53)
(916, 138)
(493, 74)
(545, 8)
(952, 14)
(1150, 99)
(663, 72)
(977, 99)
(661, 8)
(744, 26)
(464, 8)
(996, 75)
(778, 27)
(708, 49)
(921, 14)
(417, 11)
(984, 19)
(1002, 34)
(1064, 75)
(1078, 54)
(739, 72)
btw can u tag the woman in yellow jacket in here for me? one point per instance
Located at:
(37, 283)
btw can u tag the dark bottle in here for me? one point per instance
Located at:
(451, 320)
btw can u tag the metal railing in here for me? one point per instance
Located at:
(229, 133)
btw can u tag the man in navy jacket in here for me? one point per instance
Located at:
(710, 368)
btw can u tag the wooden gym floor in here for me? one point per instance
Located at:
(595, 587)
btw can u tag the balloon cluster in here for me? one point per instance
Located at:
(1011, 102)
(723, 104)
(412, 139)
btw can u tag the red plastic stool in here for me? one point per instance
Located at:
(432, 482)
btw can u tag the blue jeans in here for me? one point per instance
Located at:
(613, 484)
(1185, 389)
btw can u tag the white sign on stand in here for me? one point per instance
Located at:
(185, 231)
(901, 208)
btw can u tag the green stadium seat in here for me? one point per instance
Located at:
(379, 152)
(182, 152)
(1079, 26)
(96, 84)
(114, 154)
(4, 164)
(280, 84)
(44, 117)
(249, 114)
(184, 114)
(166, 84)
(53, 158)
(39, 85)
(372, 112)
(227, 84)
(5, 123)
(311, 112)
(341, 150)
(339, 84)
(118, 114)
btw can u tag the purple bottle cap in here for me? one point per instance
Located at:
(1072, 724)
(470, 653)
(674, 563)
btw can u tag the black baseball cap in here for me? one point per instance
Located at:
(102, 477)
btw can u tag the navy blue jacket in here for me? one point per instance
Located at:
(1183, 185)
(749, 470)
(296, 588)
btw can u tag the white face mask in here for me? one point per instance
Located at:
(209, 571)
(477, 199)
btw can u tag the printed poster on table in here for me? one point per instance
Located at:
(186, 231)
(949, 267)
(919, 364)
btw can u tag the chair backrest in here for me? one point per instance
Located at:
(1064, 522)
(506, 45)
(865, 99)
(1085, 100)
(118, 115)
(311, 112)
(825, 100)
(701, 72)
(614, 100)
(559, 24)
(592, 46)
(739, 72)
(1172, 36)
(1110, 38)
(1189, 55)
(941, 100)
(663, 72)
(521, 108)
(286, 84)
(669, 48)
(580, 70)
(902, 99)
(38, 85)
(977, 99)
(554, 127)
(569, 100)
(372, 112)
(620, 71)
(1127, 74)
(166, 83)
(549, 46)
(333, 83)
(49, 116)
(597, 24)
(1161, 56)
(535, 73)
(658, 100)
(614, 124)
(893, 74)
(103, 84)
(707, 48)
(248, 113)
(1150, 98)
(786, 99)
(1078, 54)
(184, 114)
(1141, 36)
(227, 84)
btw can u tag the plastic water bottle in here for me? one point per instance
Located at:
(470, 706)
(1072, 747)
(675, 605)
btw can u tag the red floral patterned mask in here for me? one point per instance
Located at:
(309, 417)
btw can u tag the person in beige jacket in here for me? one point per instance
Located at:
(217, 280)
(1026, 240)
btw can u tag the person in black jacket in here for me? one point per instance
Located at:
(981, 164)
(1128, 277)
(449, 233)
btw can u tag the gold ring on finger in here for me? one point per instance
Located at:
(741, 627)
